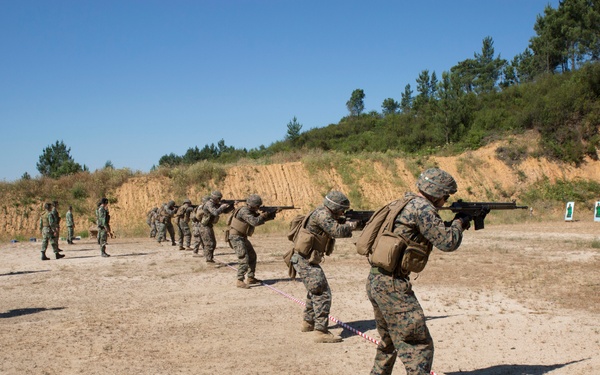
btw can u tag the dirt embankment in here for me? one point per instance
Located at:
(479, 174)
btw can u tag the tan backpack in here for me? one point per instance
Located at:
(387, 249)
(381, 220)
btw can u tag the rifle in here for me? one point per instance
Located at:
(478, 210)
(276, 209)
(232, 202)
(361, 217)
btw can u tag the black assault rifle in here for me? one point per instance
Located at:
(478, 210)
(361, 217)
(232, 202)
(276, 209)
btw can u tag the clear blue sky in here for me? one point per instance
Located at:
(130, 81)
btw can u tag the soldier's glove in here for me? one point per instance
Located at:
(268, 215)
(465, 219)
(352, 224)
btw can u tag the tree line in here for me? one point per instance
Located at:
(551, 87)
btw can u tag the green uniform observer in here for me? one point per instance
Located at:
(103, 225)
(398, 315)
(70, 225)
(49, 228)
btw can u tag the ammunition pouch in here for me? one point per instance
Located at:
(397, 254)
(313, 246)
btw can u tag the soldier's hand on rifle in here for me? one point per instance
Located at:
(268, 215)
(464, 218)
(352, 224)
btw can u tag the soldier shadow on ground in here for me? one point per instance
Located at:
(26, 311)
(21, 273)
(515, 369)
(86, 249)
(359, 325)
(67, 257)
(129, 255)
(280, 280)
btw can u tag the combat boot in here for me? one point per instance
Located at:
(59, 255)
(181, 248)
(307, 326)
(104, 254)
(252, 280)
(242, 284)
(44, 257)
(326, 337)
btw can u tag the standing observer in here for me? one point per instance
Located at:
(103, 226)
(49, 229)
(398, 315)
(309, 250)
(70, 225)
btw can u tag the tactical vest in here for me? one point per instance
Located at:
(238, 227)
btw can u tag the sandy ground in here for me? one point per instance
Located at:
(513, 300)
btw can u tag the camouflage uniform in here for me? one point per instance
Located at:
(242, 246)
(48, 228)
(151, 221)
(318, 296)
(399, 317)
(183, 226)
(103, 225)
(164, 223)
(196, 216)
(211, 211)
(70, 226)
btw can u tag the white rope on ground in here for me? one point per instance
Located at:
(302, 303)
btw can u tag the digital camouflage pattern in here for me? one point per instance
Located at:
(196, 227)
(184, 237)
(398, 315)
(164, 223)
(242, 246)
(436, 183)
(336, 201)
(318, 293)
(401, 324)
(151, 218)
(211, 209)
(254, 200)
(102, 228)
(70, 226)
(421, 223)
(48, 226)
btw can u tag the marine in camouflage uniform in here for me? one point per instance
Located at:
(399, 317)
(196, 217)
(70, 225)
(103, 226)
(243, 222)
(322, 222)
(151, 221)
(164, 223)
(211, 211)
(49, 232)
(182, 219)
